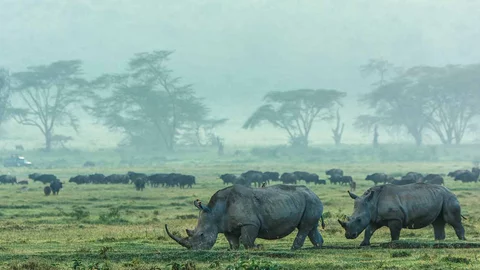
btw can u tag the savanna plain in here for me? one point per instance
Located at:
(117, 227)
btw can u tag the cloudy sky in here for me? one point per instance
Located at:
(233, 52)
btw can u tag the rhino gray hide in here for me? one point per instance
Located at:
(243, 214)
(411, 206)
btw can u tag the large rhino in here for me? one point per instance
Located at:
(243, 214)
(411, 206)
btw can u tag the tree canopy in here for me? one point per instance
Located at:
(147, 103)
(295, 111)
(443, 100)
(48, 93)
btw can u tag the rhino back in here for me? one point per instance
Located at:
(416, 205)
(277, 210)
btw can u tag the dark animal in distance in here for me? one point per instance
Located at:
(321, 182)
(44, 178)
(270, 176)
(433, 179)
(8, 179)
(47, 190)
(55, 186)
(228, 178)
(468, 176)
(22, 182)
(288, 178)
(307, 177)
(243, 214)
(412, 206)
(255, 177)
(345, 180)
(19, 147)
(335, 175)
(412, 177)
(455, 173)
(377, 178)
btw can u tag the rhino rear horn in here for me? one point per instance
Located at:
(343, 224)
(353, 196)
(189, 232)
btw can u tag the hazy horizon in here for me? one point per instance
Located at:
(235, 52)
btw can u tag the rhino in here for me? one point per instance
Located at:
(243, 214)
(411, 206)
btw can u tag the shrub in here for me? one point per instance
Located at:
(79, 212)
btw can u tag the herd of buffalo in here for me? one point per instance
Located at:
(243, 213)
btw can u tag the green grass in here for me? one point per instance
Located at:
(117, 227)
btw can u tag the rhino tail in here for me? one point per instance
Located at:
(463, 217)
(323, 223)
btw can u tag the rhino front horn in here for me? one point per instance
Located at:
(182, 241)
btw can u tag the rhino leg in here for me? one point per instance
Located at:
(316, 238)
(453, 217)
(395, 227)
(368, 234)
(439, 229)
(248, 235)
(299, 239)
(233, 241)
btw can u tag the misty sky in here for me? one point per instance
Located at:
(233, 52)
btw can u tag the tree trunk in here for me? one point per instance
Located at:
(418, 139)
(48, 141)
(375, 136)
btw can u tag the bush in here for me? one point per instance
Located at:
(79, 212)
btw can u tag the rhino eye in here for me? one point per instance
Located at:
(358, 220)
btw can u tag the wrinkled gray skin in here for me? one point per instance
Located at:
(243, 214)
(412, 206)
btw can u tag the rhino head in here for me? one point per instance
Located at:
(204, 235)
(361, 216)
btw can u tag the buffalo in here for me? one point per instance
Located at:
(288, 178)
(377, 178)
(55, 186)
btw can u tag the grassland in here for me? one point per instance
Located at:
(117, 227)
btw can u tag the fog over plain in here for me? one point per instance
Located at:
(234, 52)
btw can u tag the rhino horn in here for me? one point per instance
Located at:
(353, 196)
(189, 232)
(182, 241)
(343, 224)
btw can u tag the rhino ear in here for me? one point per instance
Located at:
(353, 196)
(370, 195)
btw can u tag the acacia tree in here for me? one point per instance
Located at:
(48, 94)
(453, 96)
(295, 111)
(5, 92)
(397, 104)
(147, 103)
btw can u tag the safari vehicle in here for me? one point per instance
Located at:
(16, 161)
